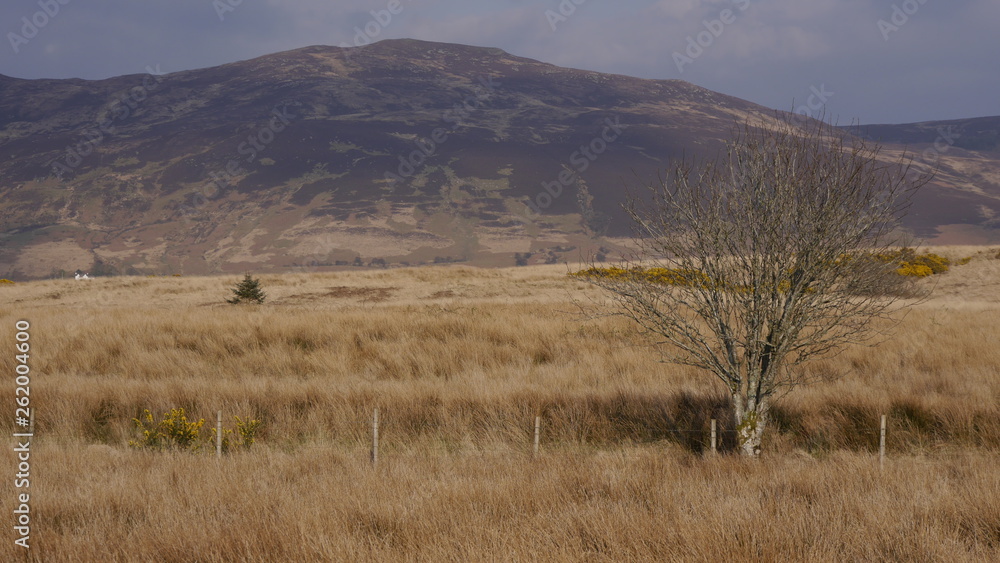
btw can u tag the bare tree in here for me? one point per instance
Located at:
(770, 255)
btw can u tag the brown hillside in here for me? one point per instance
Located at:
(399, 152)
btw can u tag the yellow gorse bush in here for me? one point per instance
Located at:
(183, 434)
(917, 265)
(665, 276)
(174, 431)
(244, 436)
(908, 261)
(915, 270)
(247, 430)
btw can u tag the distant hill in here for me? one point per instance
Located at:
(400, 152)
(962, 204)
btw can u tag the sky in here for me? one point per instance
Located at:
(859, 61)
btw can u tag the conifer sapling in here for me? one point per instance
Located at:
(247, 291)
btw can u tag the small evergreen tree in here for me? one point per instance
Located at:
(247, 291)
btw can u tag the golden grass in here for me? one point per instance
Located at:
(459, 361)
(629, 504)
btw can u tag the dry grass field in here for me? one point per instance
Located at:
(459, 362)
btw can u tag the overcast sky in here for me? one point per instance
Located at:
(874, 61)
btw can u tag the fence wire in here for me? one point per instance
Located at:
(557, 434)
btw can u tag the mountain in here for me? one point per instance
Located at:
(400, 152)
(961, 205)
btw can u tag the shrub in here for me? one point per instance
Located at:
(247, 431)
(937, 264)
(247, 291)
(917, 265)
(664, 276)
(244, 436)
(173, 432)
(914, 270)
(908, 263)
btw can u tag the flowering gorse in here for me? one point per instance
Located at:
(172, 432)
(908, 263)
(175, 432)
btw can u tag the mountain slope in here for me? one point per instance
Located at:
(399, 152)
(962, 203)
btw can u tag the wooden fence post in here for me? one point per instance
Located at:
(881, 444)
(713, 437)
(375, 439)
(538, 432)
(218, 436)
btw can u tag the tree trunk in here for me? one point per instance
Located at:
(751, 418)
